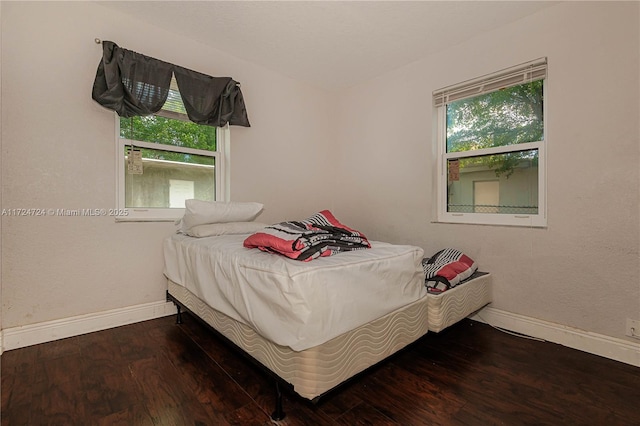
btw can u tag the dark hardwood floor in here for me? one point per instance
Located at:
(160, 373)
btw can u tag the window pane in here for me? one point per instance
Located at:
(168, 131)
(505, 117)
(502, 183)
(168, 178)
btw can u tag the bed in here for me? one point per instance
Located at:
(312, 324)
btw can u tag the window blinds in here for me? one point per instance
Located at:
(519, 74)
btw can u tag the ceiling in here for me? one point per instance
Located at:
(329, 44)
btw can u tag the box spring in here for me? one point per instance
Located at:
(455, 304)
(314, 371)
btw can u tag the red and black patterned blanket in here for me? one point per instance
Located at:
(446, 269)
(317, 236)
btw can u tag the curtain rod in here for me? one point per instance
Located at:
(97, 40)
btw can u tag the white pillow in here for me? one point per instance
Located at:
(198, 212)
(215, 229)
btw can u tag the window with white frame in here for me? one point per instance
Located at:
(164, 159)
(491, 148)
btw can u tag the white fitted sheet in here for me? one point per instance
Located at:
(293, 303)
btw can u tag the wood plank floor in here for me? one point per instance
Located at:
(160, 373)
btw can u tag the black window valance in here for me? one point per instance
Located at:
(133, 84)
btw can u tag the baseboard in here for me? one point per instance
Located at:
(19, 337)
(597, 344)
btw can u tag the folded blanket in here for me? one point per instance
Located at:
(317, 236)
(446, 269)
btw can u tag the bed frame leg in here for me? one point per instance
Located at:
(179, 315)
(170, 298)
(278, 414)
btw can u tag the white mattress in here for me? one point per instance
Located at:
(292, 303)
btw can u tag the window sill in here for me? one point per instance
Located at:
(145, 219)
(539, 224)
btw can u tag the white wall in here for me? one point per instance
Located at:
(582, 270)
(1, 205)
(58, 152)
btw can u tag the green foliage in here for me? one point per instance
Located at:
(505, 117)
(169, 131)
(502, 164)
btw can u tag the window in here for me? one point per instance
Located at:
(162, 157)
(165, 159)
(491, 148)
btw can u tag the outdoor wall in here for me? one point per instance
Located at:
(582, 269)
(515, 194)
(165, 184)
(58, 152)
